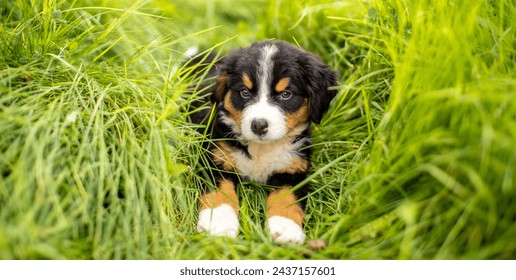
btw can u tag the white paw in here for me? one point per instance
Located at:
(285, 231)
(219, 221)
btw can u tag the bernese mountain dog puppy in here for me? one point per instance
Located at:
(265, 97)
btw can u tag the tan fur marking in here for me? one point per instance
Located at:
(222, 156)
(247, 81)
(298, 165)
(233, 112)
(297, 118)
(224, 195)
(220, 87)
(283, 203)
(282, 84)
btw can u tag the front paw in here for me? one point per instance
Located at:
(219, 221)
(285, 231)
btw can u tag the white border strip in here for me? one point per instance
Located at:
(207, 270)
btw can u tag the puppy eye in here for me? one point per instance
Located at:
(245, 93)
(285, 94)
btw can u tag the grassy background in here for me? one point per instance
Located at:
(416, 158)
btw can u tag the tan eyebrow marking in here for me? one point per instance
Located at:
(282, 84)
(247, 81)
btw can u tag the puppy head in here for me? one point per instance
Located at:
(272, 90)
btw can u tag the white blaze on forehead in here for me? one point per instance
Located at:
(266, 66)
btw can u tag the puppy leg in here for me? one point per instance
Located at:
(285, 217)
(219, 211)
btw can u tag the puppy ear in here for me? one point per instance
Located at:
(321, 87)
(220, 88)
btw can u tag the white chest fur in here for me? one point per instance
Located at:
(265, 159)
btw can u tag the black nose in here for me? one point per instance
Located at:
(259, 126)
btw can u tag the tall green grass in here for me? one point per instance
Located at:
(414, 160)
